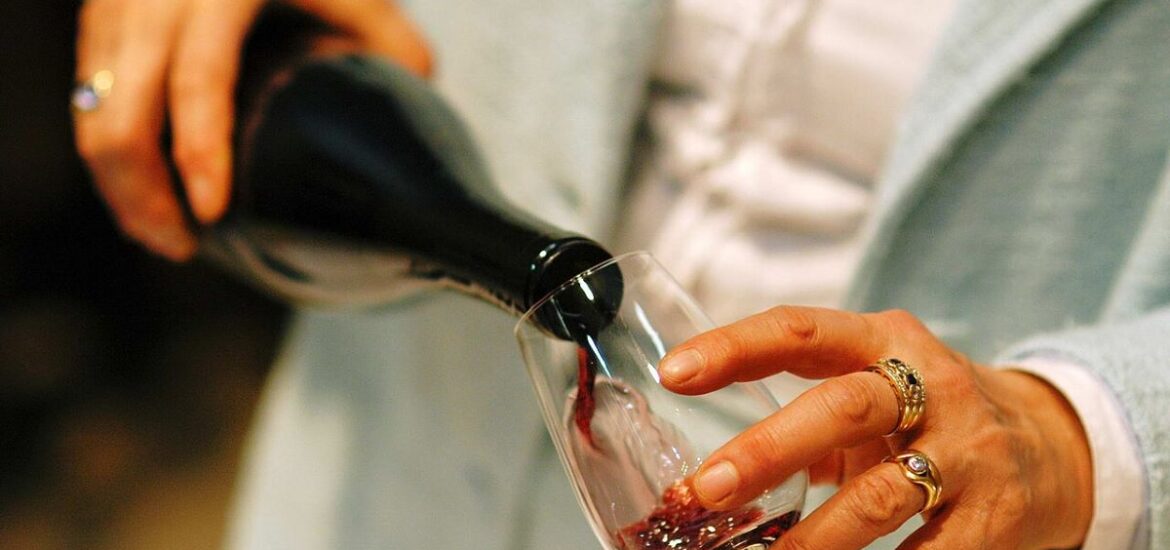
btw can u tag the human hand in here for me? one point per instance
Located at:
(1012, 456)
(177, 60)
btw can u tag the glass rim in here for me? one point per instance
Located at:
(536, 306)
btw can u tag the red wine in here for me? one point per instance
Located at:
(584, 405)
(680, 522)
(626, 452)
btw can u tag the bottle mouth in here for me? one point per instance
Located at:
(583, 304)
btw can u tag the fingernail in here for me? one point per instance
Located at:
(717, 482)
(204, 197)
(172, 243)
(682, 367)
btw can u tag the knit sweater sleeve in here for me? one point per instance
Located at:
(1132, 358)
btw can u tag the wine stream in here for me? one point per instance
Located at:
(633, 458)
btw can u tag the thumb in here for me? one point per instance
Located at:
(381, 26)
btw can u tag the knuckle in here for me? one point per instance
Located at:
(956, 382)
(796, 325)
(794, 541)
(875, 501)
(847, 400)
(959, 386)
(194, 153)
(902, 320)
(120, 139)
(766, 444)
(130, 137)
(722, 347)
(958, 357)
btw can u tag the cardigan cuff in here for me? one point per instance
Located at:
(1119, 503)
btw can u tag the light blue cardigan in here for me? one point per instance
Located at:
(1027, 195)
(1030, 194)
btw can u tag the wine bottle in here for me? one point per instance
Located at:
(354, 182)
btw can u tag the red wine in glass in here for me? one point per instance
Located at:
(628, 444)
(680, 522)
(677, 521)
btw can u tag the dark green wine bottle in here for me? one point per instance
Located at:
(355, 182)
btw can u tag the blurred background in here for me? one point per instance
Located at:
(126, 382)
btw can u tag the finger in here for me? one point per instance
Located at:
(202, 104)
(867, 507)
(380, 25)
(809, 342)
(145, 211)
(860, 458)
(841, 465)
(839, 413)
(949, 528)
(119, 141)
(829, 470)
(95, 42)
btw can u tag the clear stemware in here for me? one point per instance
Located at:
(628, 444)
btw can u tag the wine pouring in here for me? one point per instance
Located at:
(630, 445)
(354, 182)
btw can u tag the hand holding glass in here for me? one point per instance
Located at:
(628, 444)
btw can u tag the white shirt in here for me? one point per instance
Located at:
(768, 129)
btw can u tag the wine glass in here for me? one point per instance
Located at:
(592, 349)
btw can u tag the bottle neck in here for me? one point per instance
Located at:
(351, 148)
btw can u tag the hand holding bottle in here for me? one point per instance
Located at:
(147, 63)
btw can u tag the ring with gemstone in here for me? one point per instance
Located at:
(921, 471)
(909, 388)
(87, 96)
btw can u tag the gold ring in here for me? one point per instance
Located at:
(921, 471)
(909, 388)
(87, 96)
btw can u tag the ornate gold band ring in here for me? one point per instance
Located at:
(909, 388)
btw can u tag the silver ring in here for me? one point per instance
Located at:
(87, 96)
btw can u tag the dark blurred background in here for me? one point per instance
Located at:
(126, 382)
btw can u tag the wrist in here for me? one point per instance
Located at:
(1062, 467)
